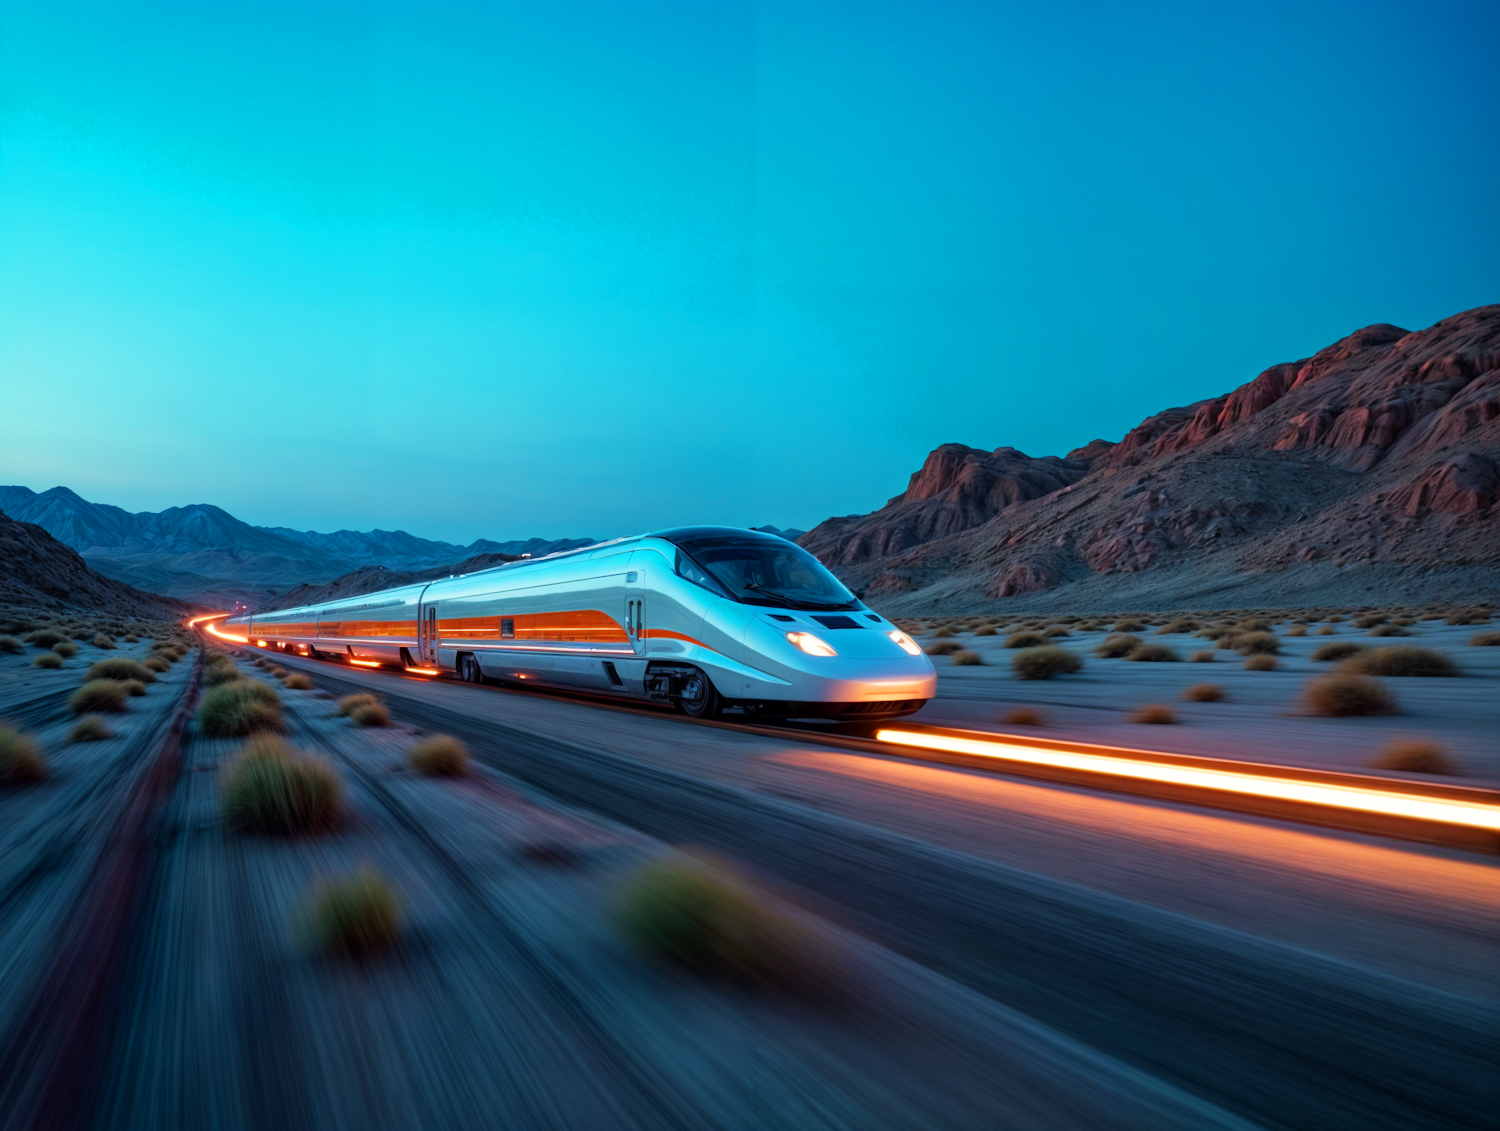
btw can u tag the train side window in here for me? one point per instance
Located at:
(507, 628)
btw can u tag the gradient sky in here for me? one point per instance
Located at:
(503, 270)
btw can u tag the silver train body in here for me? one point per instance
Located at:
(638, 618)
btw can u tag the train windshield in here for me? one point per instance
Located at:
(766, 571)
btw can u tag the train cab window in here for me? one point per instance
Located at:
(507, 628)
(689, 569)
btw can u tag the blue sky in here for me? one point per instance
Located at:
(503, 270)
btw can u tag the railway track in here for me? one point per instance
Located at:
(1278, 1035)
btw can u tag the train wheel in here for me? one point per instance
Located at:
(699, 698)
(468, 669)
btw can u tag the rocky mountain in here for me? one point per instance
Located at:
(204, 553)
(38, 571)
(1367, 472)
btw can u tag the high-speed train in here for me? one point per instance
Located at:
(701, 617)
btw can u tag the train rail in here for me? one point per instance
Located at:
(1463, 817)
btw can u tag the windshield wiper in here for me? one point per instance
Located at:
(798, 602)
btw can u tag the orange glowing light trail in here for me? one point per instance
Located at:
(365, 663)
(1453, 812)
(424, 671)
(213, 628)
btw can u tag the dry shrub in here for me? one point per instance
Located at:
(702, 912)
(944, 648)
(1204, 656)
(1152, 654)
(98, 695)
(1055, 631)
(1485, 639)
(1260, 662)
(1468, 616)
(241, 706)
(349, 702)
(357, 916)
(1204, 693)
(944, 632)
(441, 756)
(1388, 630)
(90, 728)
(20, 759)
(216, 658)
(45, 637)
(1400, 661)
(1155, 713)
(10, 644)
(1415, 756)
(1335, 619)
(1025, 640)
(1260, 643)
(967, 658)
(1341, 650)
(47, 660)
(103, 641)
(372, 714)
(1253, 624)
(1024, 717)
(132, 639)
(1173, 627)
(1044, 662)
(67, 649)
(1326, 630)
(1297, 630)
(1345, 695)
(1117, 645)
(133, 686)
(216, 675)
(1130, 626)
(987, 630)
(1370, 620)
(297, 681)
(272, 788)
(156, 664)
(121, 668)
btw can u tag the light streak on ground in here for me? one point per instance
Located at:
(222, 635)
(1387, 803)
(365, 663)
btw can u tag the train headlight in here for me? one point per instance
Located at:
(908, 645)
(812, 645)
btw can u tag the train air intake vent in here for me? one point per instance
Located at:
(838, 622)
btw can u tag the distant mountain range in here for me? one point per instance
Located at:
(203, 553)
(1367, 473)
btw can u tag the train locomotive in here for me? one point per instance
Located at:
(704, 618)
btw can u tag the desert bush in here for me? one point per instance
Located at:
(67, 649)
(272, 788)
(1173, 627)
(374, 714)
(1155, 713)
(216, 658)
(1117, 645)
(441, 756)
(1335, 619)
(1152, 654)
(1055, 632)
(98, 695)
(1044, 662)
(122, 668)
(702, 912)
(967, 658)
(1340, 650)
(1403, 622)
(1024, 717)
(133, 686)
(218, 674)
(1255, 644)
(298, 682)
(1326, 630)
(81, 631)
(156, 664)
(1025, 640)
(1388, 630)
(10, 644)
(944, 632)
(90, 728)
(45, 637)
(20, 759)
(1415, 756)
(987, 630)
(1370, 620)
(944, 648)
(132, 639)
(1204, 693)
(349, 702)
(1468, 616)
(1260, 662)
(1129, 626)
(103, 641)
(278, 672)
(241, 706)
(1205, 656)
(1485, 639)
(357, 916)
(1297, 630)
(1253, 624)
(1344, 695)
(1400, 661)
(47, 660)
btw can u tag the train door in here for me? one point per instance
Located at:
(635, 611)
(427, 636)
